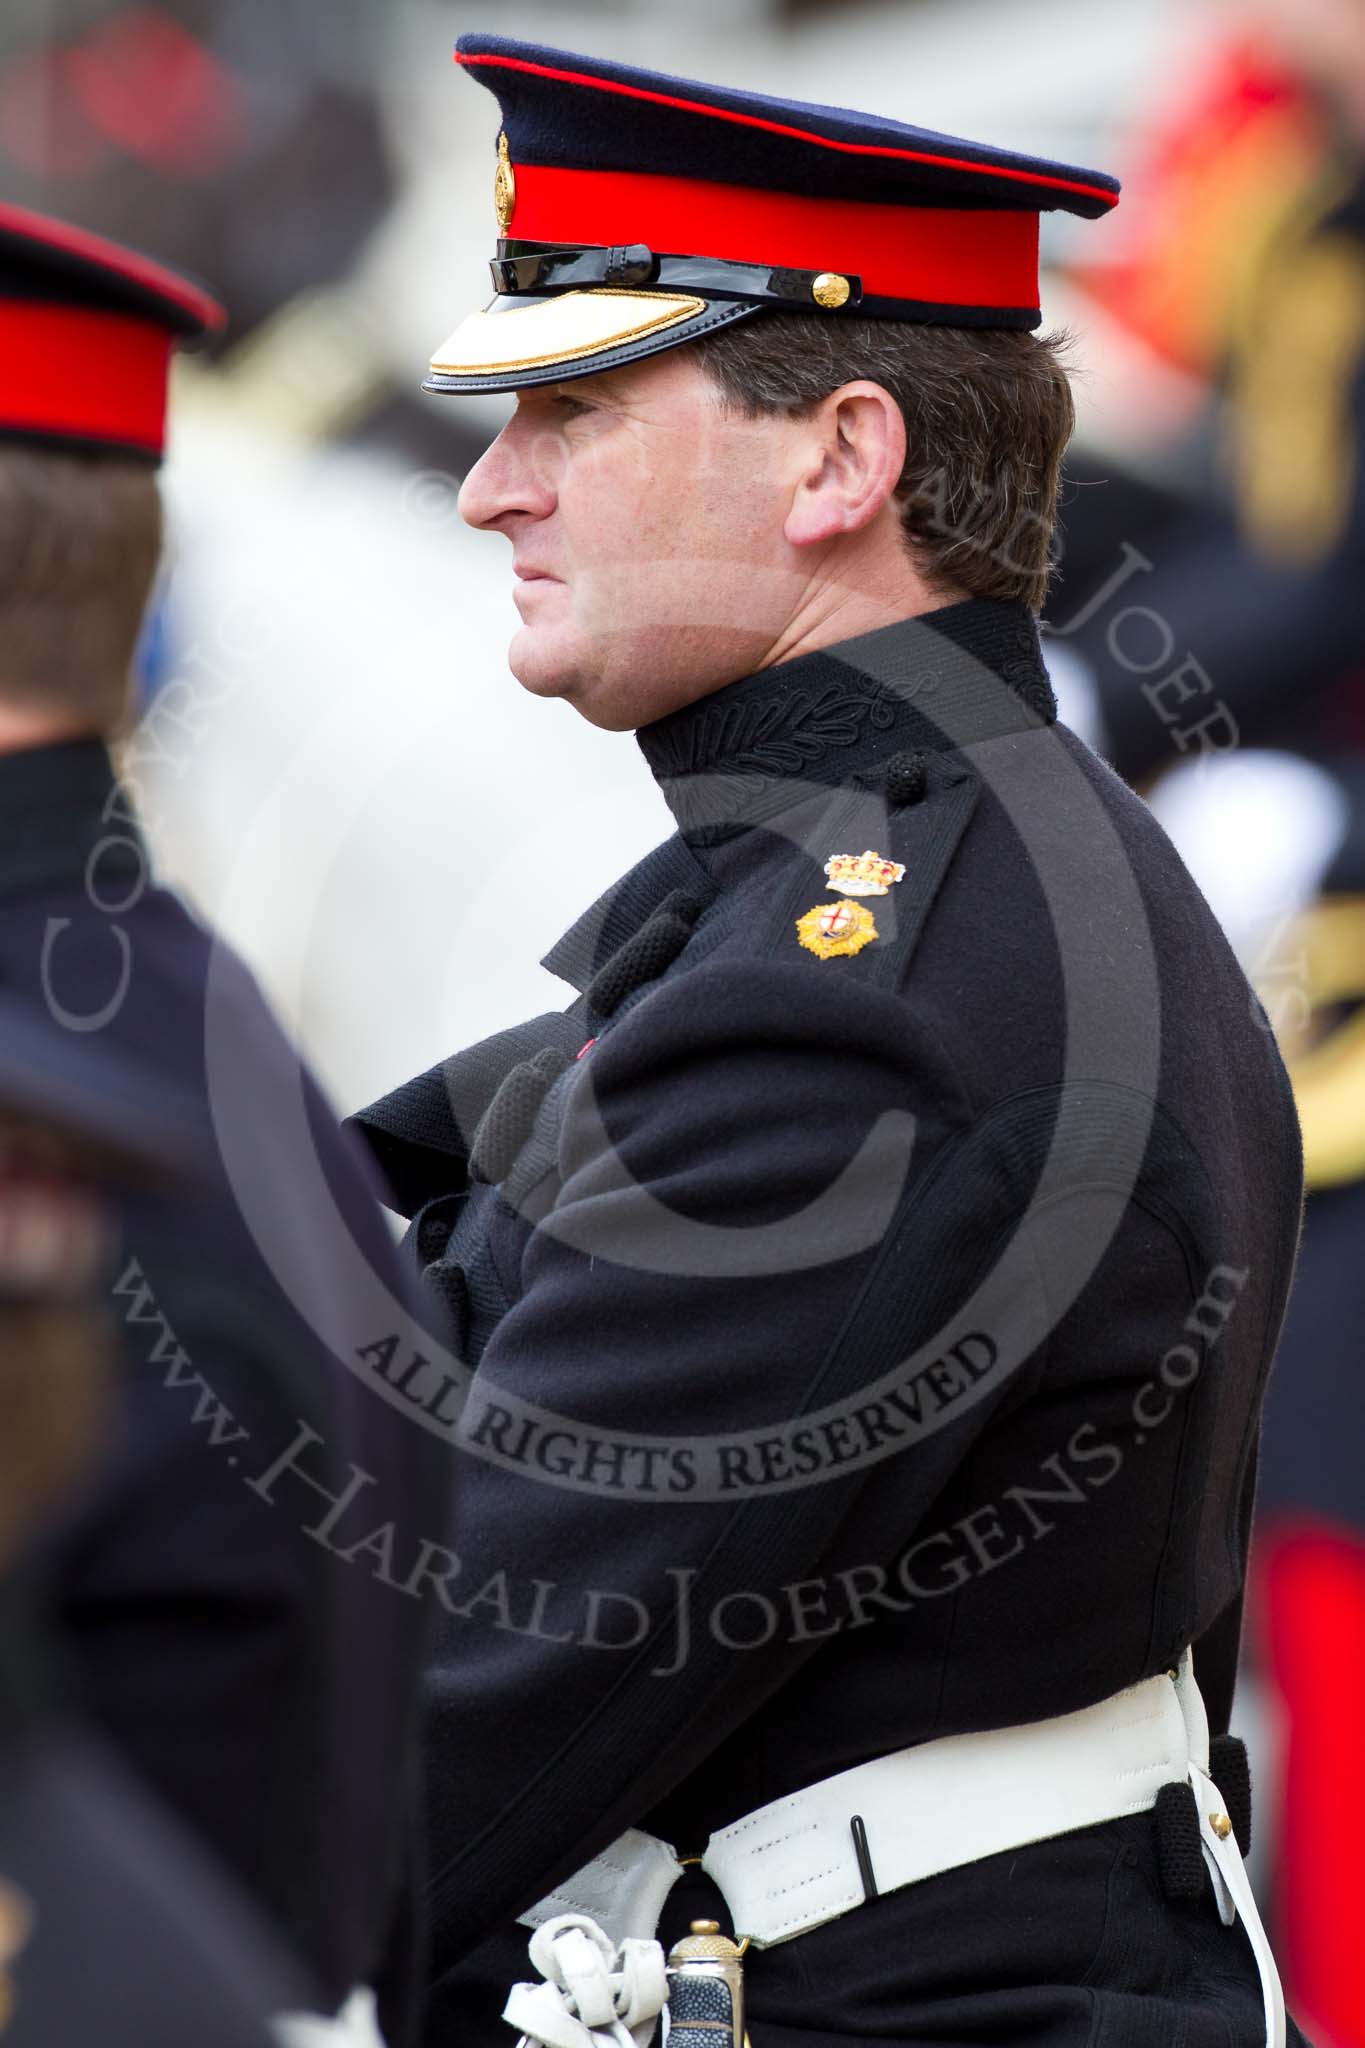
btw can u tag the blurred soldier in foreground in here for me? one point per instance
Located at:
(873, 1275)
(114, 1925)
(262, 1685)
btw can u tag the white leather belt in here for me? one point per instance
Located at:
(803, 1860)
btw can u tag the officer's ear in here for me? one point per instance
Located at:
(850, 458)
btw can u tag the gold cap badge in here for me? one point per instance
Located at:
(504, 186)
(833, 929)
(862, 874)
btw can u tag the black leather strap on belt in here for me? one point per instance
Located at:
(543, 266)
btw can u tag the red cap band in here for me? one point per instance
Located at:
(936, 255)
(76, 373)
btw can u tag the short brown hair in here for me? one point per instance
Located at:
(988, 414)
(80, 537)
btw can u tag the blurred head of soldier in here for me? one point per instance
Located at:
(699, 514)
(80, 538)
(87, 329)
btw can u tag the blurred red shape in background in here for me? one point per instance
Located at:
(139, 84)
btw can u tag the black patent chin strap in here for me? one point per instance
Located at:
(544, 266)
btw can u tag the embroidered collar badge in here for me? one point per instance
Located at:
(863, 874)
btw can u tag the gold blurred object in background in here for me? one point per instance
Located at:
(1326, 1058)
(1294, 452)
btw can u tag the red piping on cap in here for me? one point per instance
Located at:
(201, 306)
(935, 254)
(910, 156)
(80, 374)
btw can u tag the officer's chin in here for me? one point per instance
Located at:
(545, 662)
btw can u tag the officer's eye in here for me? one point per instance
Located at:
(571, 407)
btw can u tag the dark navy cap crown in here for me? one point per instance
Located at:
(86, 331)
(42, 258)
(561, 109)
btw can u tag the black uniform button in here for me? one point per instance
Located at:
(448, 1283)
(435, 1222)
(646, 954)
(507, 1122)
(906, 778)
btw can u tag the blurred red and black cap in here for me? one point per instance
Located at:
(87, 327)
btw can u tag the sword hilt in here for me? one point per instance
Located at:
(705, 1990)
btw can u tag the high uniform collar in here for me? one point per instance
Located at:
(735, 759)
(56, 804)
(946, 679)
(759, 746)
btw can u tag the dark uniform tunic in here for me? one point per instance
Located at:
(261, 1685)
(999, 1210)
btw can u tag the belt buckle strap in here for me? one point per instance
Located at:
(623, 1889)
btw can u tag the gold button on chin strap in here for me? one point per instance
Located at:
(831, 290)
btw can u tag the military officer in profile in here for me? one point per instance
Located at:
(261, 1686)
(869, 1279)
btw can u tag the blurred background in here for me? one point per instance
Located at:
(335, 763)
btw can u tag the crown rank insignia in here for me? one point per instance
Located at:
(862, 874)
(832, 929)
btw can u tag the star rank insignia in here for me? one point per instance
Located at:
(831, 929)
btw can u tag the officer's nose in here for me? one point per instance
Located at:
(515, 475)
